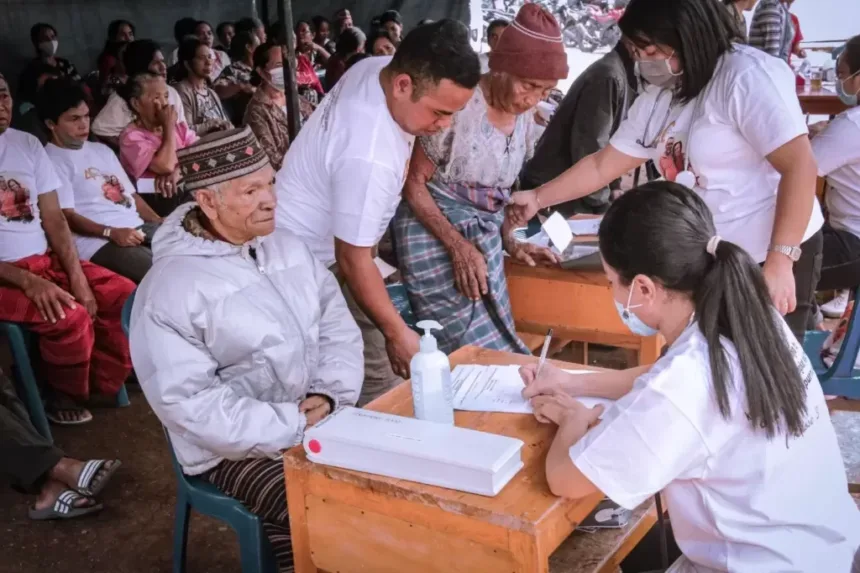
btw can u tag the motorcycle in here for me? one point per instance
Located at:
(589, 28)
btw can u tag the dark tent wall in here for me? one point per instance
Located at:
(413, 11)
(82, 24)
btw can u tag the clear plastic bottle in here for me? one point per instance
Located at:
(431, 379)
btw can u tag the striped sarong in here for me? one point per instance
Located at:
(477, 214)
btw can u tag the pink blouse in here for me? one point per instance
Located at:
(137, 147)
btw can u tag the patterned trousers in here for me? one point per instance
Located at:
(259, 485)
(78, 353)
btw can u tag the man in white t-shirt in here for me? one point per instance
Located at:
(343, 175)
(494, 32)
(73, 306)
(113, 225)
(139, 57)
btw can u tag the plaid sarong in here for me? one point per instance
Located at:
(477, 214)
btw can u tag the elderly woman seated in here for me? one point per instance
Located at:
(148, 145)
(240, 338)
(451, 231)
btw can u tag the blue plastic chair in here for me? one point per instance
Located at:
(22, 342)
(25, 379)
(841, 379)
(195, 493)
(254, 549)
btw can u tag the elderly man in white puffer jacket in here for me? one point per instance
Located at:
(240, 338)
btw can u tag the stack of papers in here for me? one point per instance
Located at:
(478, 388)
(558, 234)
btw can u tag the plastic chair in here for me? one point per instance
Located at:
(192, 492)
(125, 317)
(22, 343)
(25, 379)
(841, 379)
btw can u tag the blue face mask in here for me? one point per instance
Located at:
(848, 99)
(630, 320)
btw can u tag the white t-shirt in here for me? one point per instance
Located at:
(738, 501)
(95, 185)
(116, 115)
(25, 173)
(749, 109)
(837, 150)
(343, 175)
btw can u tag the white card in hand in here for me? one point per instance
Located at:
(559, 231)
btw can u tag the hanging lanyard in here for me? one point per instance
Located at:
(656, 136)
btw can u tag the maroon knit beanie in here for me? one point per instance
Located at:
(531, 47)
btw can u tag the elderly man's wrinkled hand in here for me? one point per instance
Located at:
(49, 299)
(470, 270)
(315, 408)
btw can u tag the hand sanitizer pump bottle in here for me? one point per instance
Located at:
(431, 379)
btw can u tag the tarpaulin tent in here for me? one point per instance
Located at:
(82, 24)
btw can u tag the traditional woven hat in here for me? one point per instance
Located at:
(531, 47)
(220, 157)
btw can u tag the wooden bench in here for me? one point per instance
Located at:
(847, 426)
(603, 551)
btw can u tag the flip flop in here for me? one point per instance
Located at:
(85, 418)
(64, 507)
(87, 484)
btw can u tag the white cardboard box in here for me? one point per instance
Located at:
(415, 450)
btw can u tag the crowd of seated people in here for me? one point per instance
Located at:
(103, 170)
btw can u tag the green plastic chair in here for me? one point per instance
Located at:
(22, 342)
(195, 493)
(841, 379)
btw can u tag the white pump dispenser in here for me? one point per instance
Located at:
(432, 395)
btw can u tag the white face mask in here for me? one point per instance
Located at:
(657, 72)
(277, 75)
(49, 48)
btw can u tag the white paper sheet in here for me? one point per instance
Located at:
(585, 226)
(558, 230)
(146, 185)
(385, 269)
(478, 388)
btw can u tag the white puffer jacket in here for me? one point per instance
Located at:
(226, 346)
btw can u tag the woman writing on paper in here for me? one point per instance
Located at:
(723, 119)
(730, 424)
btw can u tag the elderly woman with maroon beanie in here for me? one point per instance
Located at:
(451, 232)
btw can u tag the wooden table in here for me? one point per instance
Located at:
(344, 521)
(820, 102)
(577, 304)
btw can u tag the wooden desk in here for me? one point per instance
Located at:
(820, 102)
(576, 304)
(344, 521)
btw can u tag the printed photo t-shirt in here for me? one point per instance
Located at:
(25, 173)
(95, 185)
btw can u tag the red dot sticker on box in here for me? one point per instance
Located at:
(314, 446)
